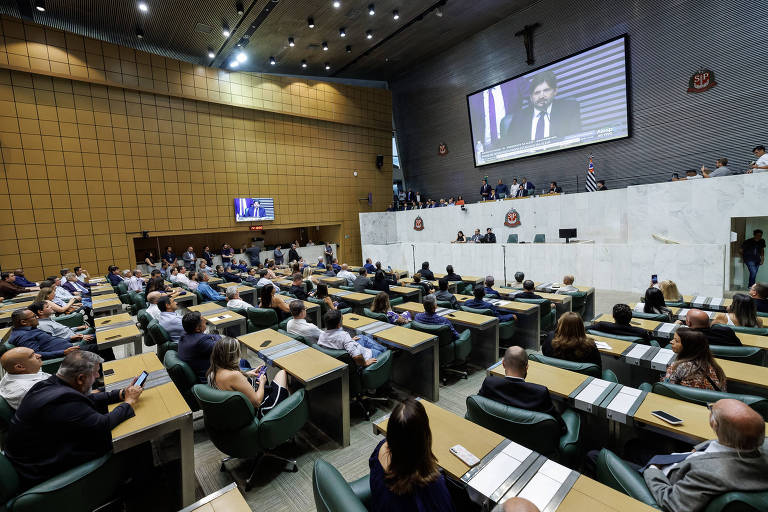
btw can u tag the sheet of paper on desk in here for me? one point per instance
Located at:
(663, 357)
(667, 328)
(499, 468)
(222, 317)
(603, 345)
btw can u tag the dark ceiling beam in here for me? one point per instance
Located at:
(234, 30)
(405, 26)
(26, 9)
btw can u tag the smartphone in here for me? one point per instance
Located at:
(265, 343)
(109, 371)
(354, 318)
(464, 455)
(655, 279)
(672, 420)
(142, 379)
(262, 371)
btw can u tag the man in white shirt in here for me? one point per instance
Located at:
(362, 348)
(762, 160)
(62, 294)
(152, 309)
(299, 325)
(82, 274)
(181, 277)
(169, 320)
(567, 285)
(263, 281)
(45, 323)
(135, 283)
(127, 274)
(233, 299)
(22, 371)
(205, 269)
(346, 274)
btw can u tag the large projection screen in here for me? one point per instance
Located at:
(578, 100)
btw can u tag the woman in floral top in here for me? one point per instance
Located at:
(694, 365)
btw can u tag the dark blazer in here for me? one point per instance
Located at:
(427, 274)
(41, 342)
(57, 428)
(527, 295)
(299, 292)
(622, 330)
(720, 335)
(565, 119)
(452, 277)
(382, 286)
(762, 305)
(293, 255)
(71, 288)
(361, 283)
(518, 393)
(195, 350)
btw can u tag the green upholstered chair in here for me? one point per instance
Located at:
(138, 301)
(453, 353)
(672, 303)
(444, 304)
(705, 396)
(262, 318)
(535, 430)
(748, 355)
(759, 313)
(631, 339)
(182, 375)
(650, 316)
(161, 338)
(590, 369)
(122, 292)
(348, 288)
(614, 472)
(759, 331)
(512, 239)
(539, 238)
(84, 487)
(547, 314)
(200, 298)
(70, 320)
(376, 316)
(397, 300)
(49, 365)
(468, 289)
(334, 494)
(144, 318)
(6, 413)
(578, 302)
(323, 308)
(284, 324)
(371, 292)
(234, 428)
(506, 329)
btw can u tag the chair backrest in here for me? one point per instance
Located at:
(9, 480)
(224, 411)
(181, 375)
(545, 308)
(122, 288)
(486, 312)
(263, 318)
(631, 339)
(71, 320)
(320, 302)
(377, 316)
(512, 239)
(294, 336)
(443, 332)
(158, 333)
(144, 318)
(539, 238)
(760, 331)
(348, 288)
(737, 501)
(371, 292)
(749, 355)
(705, 396)
(138, 300)
(535, 430)
(6, 413)
(590, 369)
(444, 304)
(650, 316)
(333, 493)
(379, 373)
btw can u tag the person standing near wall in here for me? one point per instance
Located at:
(753, 254)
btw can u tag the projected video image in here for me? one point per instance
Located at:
(577, 101)
(254, 208)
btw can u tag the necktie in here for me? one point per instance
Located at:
(540, 126)
(492, 116)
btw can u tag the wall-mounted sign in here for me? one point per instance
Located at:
(512, 219)
(256, 228)
(418, 224)
(702, 80)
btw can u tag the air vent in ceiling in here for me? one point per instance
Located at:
(203, 28)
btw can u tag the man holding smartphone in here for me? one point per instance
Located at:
(61, 424)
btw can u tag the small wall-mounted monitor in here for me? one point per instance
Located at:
(568, 234)
(249, 209)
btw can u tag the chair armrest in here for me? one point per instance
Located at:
(396, 301)
(345, 311)
(52, 365)
(610, 376)
(645, 386)
(362, 489)
(572, 435)
(464, 335)
(615, 473)
(284, 420)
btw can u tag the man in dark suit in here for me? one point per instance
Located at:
(293, 254)
(698, 320)
(527, 293)
(60, 424)
(255, 210)
(426, 273)
(451, 275)
(363, 281)
(545, 115)
(513, 390)
(621, 325)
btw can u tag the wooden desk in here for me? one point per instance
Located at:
(528, 323)
(188, 299)
(101, 290)
(707, 303)
(589, 299)
(407, 293)
(226, 499)
(5, 332)
(353, 321)
(680, 313)
(120, 335)
(325, 378)
(106, 304)
(563, 303)
(561, 383)
(590, 495)
(448, 430)
(213, 314)
(159, 411)
(451, 284)
(10, 307)
(358, 301)
(397, 273)
(485, 331)
(22, 297)
(695, 427)
(332, 281)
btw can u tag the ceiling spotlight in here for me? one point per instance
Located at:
(336, 4)
(325, 46)
(139, 33)
(143, 7)
(342, 32)
(439, 12)
(395, 15)
(371, 10)
(272, 61)
(234, 63)
(369, 34)
(211, 54)
(242, 57)
(348, 49)
(327, 66)
(225, 30)
(40, 5)
(239, 7)
(291, 42)
(311, 22)
(304, 64)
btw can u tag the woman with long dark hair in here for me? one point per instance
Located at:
(742, 312)
(381, 305)
(271, 299)
(380, 282)
(694, 365)
(654, 304)
(404, 471)
(570, 341)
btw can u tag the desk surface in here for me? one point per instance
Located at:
(13, 306)
(355, 321)
(448, 430)
(104, 321)
(588, 494)
(558, 298)
(403, 290)
(407, 338)
(560, 382)
(351, 296)
(695, 417)
(471, 319)
(521, 307)
(118, 333)
(4, 333)
(156, 405)
(205, 307)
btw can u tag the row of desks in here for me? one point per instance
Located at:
(680, 313)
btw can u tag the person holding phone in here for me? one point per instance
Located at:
(225, 373)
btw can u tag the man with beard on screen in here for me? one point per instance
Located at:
(545, 115)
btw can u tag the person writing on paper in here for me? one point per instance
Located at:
(694, 365)
(60, 424)
(735, 461)
(513, 390)
(405, 475)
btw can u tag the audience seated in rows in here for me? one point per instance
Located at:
(513, 390)
(22, 368)
(443, 295)
(47, 324)
(426, 287)
(404, 474)
(345, 274)
(425, 272)
(759, 293)
(519, 278)
(567, 286)
(298, 288)
(489, 291)
(527, 293)
(363, 349)
(152, 308)
(654, 304)
(380, 282)
(479, 303)
(26, 334)
(569, 341)
(20, 280)
(621, 325)
(742, 312)
(362, 282)
(369, 266)
(694, 365)
(381, 305)
(450, 275)
(429, 317)
(698, 320)
(136, 283)
(669, 290)
(58, 306)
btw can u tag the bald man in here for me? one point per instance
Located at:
(518, 504)
(152, 308)
(736, 461)
(698, 320)
(513, 390)
(22, 371)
